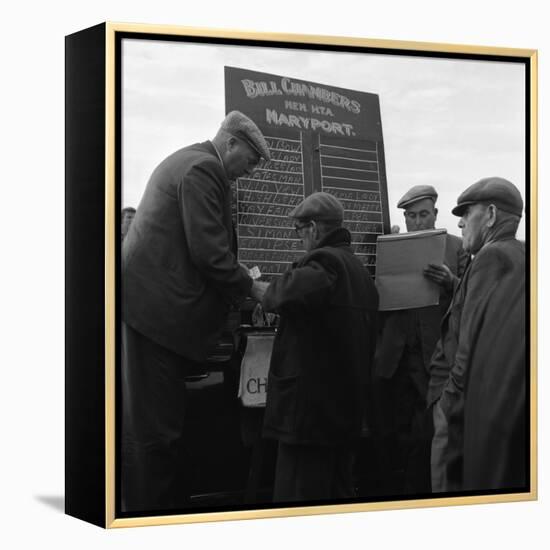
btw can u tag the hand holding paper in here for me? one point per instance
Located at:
(441, 275)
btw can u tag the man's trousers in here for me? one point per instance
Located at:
(153, 414)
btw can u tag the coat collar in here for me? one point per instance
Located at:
(337, 237)
(214, 151)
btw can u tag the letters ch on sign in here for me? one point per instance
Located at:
(256, 385)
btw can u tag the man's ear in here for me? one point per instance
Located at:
(314, 229)
(491, 214)
(435, 213)
(231, 142)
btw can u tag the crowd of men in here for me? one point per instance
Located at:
(441, 388)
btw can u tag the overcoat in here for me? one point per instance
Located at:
(323, 350)
(478, 371)
(180, 272)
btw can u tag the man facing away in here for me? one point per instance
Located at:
(407, 340)
(478, 371)
(321, 358)
(180, 277)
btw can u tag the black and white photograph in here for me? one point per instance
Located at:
(323, 264)
(275, 275)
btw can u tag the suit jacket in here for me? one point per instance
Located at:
(398, 326)
(180, 272)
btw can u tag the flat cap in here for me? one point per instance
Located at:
(242, 127)
(417, 193)
(319, 206)
(498, 191)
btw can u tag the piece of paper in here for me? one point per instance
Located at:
(400, 262)
(255, 272)
(255, 368)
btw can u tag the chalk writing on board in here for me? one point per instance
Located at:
(321, 138)
(265, 199)
(277, 177)
(277, 145)
(267, 243)
(277, 233)
(271, 187)
(269, 197)
(264, 220)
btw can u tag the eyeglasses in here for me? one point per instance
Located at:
(298, 228)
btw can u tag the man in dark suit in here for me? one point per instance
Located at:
(406, 343)
(180, 277)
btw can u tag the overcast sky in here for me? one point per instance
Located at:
(447, 123)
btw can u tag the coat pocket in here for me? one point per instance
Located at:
(280, 411)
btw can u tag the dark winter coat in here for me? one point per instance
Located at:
(479, 373)
(323, 350)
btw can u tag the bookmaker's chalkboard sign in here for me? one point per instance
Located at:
(321, 138)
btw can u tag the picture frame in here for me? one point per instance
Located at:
(100, 162)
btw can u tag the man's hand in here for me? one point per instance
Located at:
(258, 290)
(441, 275)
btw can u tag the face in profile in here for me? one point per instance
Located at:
(305, 232)
(240, 159)
(473, 225)
(420, 215)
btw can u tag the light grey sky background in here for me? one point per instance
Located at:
(447, 123)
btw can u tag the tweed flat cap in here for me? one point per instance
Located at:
(498, 191)
(242, 127)
(319, 206)
(417, 193)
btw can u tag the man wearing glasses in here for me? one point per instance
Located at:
(318, 378)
